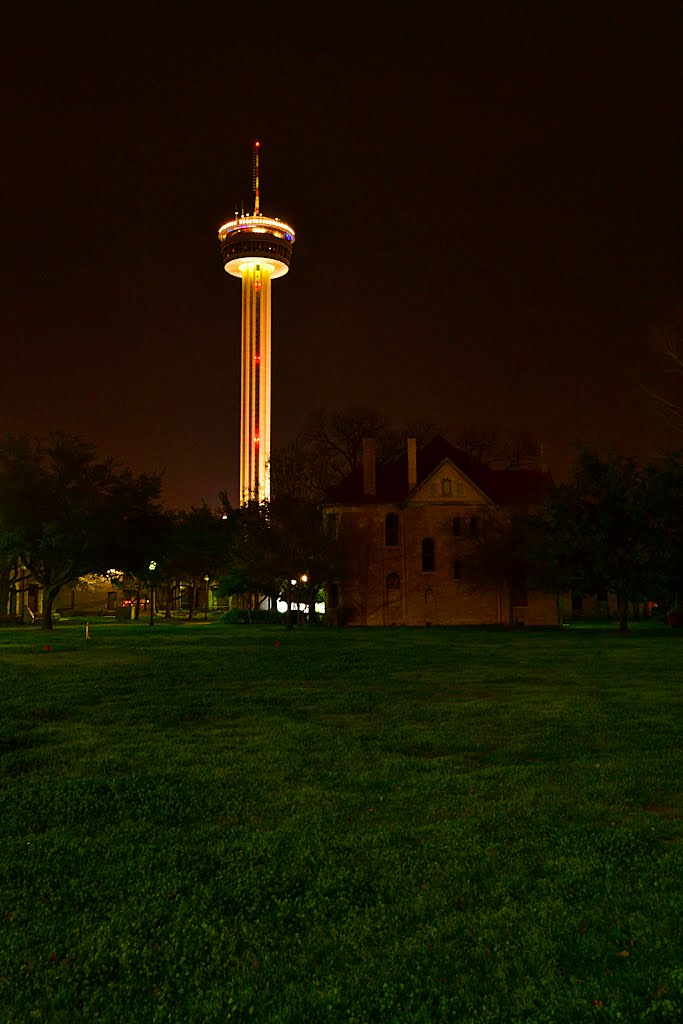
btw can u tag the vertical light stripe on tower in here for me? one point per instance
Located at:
(256, 383)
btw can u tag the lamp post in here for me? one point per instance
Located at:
(206, 598)
(304, 580)
(152, 567)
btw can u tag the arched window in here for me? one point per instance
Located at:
(428, 555)
(393, 581)
(391, 530)
(446, 487)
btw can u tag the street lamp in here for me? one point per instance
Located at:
(206, 598)
(152, 567)
(304, 580)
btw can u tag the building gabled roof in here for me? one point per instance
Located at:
(502, 486)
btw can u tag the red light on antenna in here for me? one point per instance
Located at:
(257, 359)
(257, 143)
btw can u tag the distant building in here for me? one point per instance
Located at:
(409, 532)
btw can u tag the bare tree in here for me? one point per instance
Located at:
(669, 340)
(484, 445)
(334, 439)
(301, 473)
(336, 436)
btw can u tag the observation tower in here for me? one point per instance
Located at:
(258, 249)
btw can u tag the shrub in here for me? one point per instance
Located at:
(260, 617)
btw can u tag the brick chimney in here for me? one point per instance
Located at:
(412, 462)
(369, 465)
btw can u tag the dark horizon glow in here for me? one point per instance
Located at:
(488, 205)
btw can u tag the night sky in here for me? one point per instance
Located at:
(486, 198)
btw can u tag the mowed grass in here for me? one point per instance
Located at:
(218, 823)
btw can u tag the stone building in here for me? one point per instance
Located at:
(410, 532)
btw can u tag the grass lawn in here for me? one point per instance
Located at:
(214, 823)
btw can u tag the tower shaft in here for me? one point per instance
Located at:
(256, 376)
(258, 249)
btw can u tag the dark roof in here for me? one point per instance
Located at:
(503, 486)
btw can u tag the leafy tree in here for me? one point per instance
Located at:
(507, 552)
(604, 528)
(199, 547)
(666, 506)
(275, 543)
(9, 574)
(67, 512)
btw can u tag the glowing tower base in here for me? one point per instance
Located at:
(257, 249)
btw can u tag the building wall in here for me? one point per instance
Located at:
(91, 595)
(423, 596)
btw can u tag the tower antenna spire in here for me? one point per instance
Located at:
(257, 146)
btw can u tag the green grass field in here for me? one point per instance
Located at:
(214, 823)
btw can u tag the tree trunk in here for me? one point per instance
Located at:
(4, 598)
(623, 613)
(49, 594)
